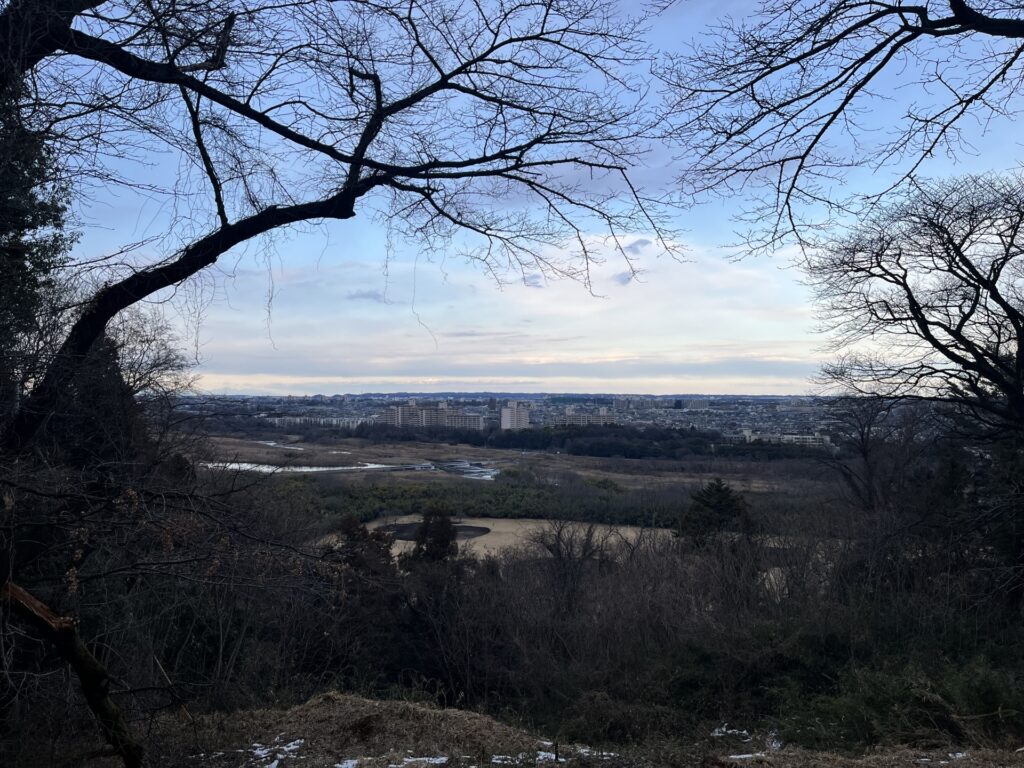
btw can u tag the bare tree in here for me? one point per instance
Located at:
(925, 299)
(503, 129)
(789, 100)
(506, 125)
(878, 443)
(575, 548)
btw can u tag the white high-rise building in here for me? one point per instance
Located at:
(515, 416)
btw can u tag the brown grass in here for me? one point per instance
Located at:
(334, 727)
(887, 758)
(502, 532)
(745, 476)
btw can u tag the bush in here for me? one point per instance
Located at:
(909, 703)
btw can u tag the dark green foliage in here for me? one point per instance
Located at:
(920, 701)
(716, 508)
(719, 500)
(33, 242)
(513, 494)
(435, 539)
(97, 422)
(611, 440)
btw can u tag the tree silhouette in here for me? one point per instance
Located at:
(436, 538)
(925, 300)
(786, 101)
(503, 129)
(716, 507)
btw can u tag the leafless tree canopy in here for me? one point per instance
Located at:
(787, 101)
(926, 298)
(509, 125)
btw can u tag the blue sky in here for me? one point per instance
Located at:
(332, 309)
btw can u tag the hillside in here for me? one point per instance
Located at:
(335, 730)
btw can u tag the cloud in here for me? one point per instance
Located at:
(703, 325)
(637, 246)
(367, 295)
(533, 281)
(729, 376)
(481, 334)
(623, 278)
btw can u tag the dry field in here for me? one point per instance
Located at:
(744, 476)
(501, 532)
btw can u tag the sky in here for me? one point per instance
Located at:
(332, 309)
(344, 325)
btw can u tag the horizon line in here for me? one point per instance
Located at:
(503, 393)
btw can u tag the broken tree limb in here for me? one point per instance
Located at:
(62, 633)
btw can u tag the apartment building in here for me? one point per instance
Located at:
(515, 416)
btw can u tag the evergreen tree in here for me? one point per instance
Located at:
(716, 507)
(436, 537)
(33, 243)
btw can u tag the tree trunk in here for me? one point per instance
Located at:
(62, 633)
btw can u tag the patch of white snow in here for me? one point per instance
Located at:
(588, 752)
(725, 730)
(549, 757)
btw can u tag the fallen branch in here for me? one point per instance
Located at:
(62, 633)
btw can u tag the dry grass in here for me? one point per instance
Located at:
(334, 727)
(883, 758)
(502, 532)
(745, 476)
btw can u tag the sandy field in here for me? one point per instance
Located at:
(501, 533)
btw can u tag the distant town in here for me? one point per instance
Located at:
(767, 419)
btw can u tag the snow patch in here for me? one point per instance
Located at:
(725, 730)
(588, 752)
(549, 757)
(271, 755)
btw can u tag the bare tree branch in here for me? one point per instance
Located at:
(784, 105)
(926, 299)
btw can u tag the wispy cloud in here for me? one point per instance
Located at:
(637, 247)
(706, 325)
(367, 295)
(623, 278)
(533, 281)
(481, 334)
